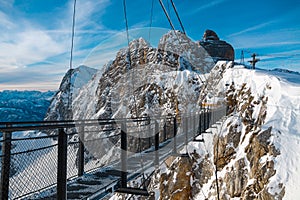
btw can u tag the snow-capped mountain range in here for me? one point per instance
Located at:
(24, 105)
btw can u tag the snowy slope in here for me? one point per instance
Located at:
(282, 93)
(256, 147)
(283, 114)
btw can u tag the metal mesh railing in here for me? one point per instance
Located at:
(32, 163)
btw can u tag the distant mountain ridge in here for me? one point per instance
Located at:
(24, 105)
(285, 71)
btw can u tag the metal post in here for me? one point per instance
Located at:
(149, 134)
(165, 132)
(200, 123)
(174, 135)
(194, 124)
(186, 130)
(6, 153)
(81, 153)
(207, 119)
(62, 165)
(156, 142)
(123, 155)
(212, 113)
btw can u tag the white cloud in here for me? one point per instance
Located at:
(275, 38)
(7, 4)
(28, 46)
(253, 28)
(5, 23)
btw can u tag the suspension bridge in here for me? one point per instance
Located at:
(62, 168)
(55, 162)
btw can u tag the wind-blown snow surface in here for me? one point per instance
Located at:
(283, 115)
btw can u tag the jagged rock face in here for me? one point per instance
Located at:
(197, 56)
(240, 180)
(243, 153)
(175, 185)
(216, 48)
(145, 81)
(210, 35)
(236, 179)
(208, 91)
(144, 74)
(61, 104)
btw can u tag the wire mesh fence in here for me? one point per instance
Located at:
(33, 164)
(33, 160)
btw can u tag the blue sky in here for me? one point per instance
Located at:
(35, 35)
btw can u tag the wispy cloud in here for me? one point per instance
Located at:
(27, 46)
(253, 28)
(206, 6)
(278, 38)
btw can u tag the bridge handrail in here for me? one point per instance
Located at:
(8, 128)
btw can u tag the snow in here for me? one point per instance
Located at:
(283, 114)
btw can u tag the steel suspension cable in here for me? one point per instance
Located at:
(167, 15)
(73, 34)
(129, 60)
(71, 56)
(129, 56)
(151, 20)
(178, 17)
(126, 24)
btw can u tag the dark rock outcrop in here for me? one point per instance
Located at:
(216, 48)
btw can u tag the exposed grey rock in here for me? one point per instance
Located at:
(61, 105)
(216, 48)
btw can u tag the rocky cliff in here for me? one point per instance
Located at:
(61, 104)
(145, 81)
(245, 156)
(216, 48)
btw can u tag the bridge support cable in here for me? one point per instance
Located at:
(186, 130)
(180, 22)
(151, 20)
(5, 171)
(167, 15)
(194, 124)
(71, 57)
(123, 184)
(62, 165)
(141, 154)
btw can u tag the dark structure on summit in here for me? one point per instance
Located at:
(216, 48)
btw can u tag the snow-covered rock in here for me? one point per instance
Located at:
(252, 154)
(61, 104)
(143, 81)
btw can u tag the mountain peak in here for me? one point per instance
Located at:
(139, 43)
